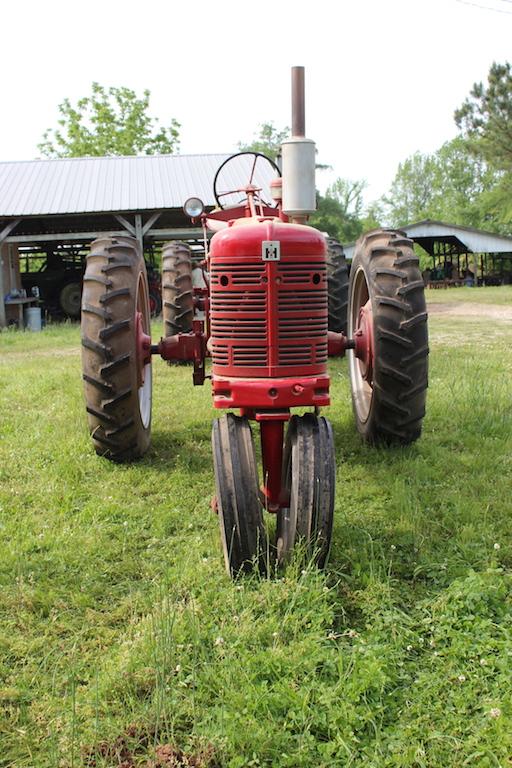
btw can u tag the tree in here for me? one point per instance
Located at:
(268, 141)
(339, 212)
(449, 185)
(412, 190)
(485, 120)
(486, 117)
(111, 121)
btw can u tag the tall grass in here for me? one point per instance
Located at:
(121, 633)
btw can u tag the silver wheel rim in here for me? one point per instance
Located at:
(145, 391)
(362, 392)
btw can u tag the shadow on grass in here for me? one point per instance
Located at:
(186, 450)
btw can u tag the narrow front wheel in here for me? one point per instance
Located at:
(309, 475)
(236, 479)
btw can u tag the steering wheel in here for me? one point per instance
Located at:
(254, 164)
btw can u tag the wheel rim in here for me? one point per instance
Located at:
(360, 328)
(143, 331)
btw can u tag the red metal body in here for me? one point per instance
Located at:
(268, 318)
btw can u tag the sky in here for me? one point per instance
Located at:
(383, 78)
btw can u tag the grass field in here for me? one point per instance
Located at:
(123, 643)
(497, 296)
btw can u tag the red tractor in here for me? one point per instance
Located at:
(263, 297)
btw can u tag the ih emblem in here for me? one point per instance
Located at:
(271, 250)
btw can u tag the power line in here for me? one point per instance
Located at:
(486, 7)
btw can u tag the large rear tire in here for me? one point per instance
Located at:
(337, 286)
(236, 479)
(387, 309)
(309, 476)
(177, 293)
(117, 382)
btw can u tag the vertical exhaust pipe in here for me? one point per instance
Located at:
(298, 103)
(298, 158)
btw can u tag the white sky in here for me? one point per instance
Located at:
(382, 77)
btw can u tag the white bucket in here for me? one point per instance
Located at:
(33, 318)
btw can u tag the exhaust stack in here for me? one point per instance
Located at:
(298, 159)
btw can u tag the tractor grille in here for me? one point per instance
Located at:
(269, 318)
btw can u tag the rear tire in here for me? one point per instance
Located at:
(177, 295)
(115, 289)
(337, 286)
(385, 272)
(236, 479)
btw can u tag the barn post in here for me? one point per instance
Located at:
(3, 319)
(138, 232)
(6, 231)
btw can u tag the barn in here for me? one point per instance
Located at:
(50, 211)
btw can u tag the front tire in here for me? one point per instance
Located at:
(309, 476)
(387, 308)
(117, 382)
(236, 480)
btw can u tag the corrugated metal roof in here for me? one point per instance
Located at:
(103, 184)
(472, 240)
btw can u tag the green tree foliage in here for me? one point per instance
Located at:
(449, 185)
(486, 117)
(340, 211)
(268, 140)
(111, 121)
(411, 193)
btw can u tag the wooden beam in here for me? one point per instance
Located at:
(178, 234)
(138, 231)
(62, 237)
(149, 223)
(8, 229)
(3, 319)
(125, 223)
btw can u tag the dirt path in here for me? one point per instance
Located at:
(460, 309)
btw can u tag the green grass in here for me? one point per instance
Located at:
(483, 295)
(120, 631)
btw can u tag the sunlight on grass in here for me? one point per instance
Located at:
(121, 631)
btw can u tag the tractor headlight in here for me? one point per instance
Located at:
(193, 207)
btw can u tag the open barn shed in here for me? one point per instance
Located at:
(460, 253)
(50, 210)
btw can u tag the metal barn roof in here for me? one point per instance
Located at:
(463, 239)
(104, 184)
(468, 239)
